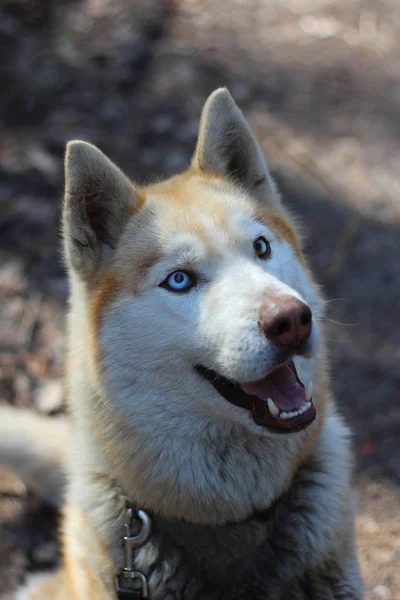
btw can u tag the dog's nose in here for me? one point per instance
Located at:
(287, 321)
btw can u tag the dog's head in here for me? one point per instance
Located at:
(200, 304)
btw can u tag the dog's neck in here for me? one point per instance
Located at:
(224, 476)
(206, 552)
(211, 551)
(227, 554)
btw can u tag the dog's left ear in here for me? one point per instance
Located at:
(98, 202)
(227, 146)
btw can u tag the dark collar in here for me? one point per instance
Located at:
(260, 516)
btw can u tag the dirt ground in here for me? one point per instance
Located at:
(319, 81)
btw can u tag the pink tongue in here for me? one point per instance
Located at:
(281, 386)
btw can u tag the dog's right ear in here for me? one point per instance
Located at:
(98, 201)
(226, 146)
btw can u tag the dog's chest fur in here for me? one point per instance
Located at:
(284, 553)
(252, 561)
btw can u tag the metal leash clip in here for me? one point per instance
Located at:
(131, 584)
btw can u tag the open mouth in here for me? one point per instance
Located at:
(279, 402)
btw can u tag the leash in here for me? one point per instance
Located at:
(131, 584)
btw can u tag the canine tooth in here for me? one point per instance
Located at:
(309, 390)
(307, 405)
(273, 409)
(284, 415)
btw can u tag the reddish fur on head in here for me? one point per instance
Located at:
(107, 288)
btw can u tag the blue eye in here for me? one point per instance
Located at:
(179, 281)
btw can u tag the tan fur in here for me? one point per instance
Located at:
(286, 231)
(106, 290)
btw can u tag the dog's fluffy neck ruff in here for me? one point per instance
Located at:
(218, 551)
(227, 465)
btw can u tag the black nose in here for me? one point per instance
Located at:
(287, 321)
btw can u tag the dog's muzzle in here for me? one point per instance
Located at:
(279, 401)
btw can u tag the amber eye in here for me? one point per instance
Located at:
(262, 247)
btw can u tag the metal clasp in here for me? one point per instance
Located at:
(133, 542)
(126, 579)
(131, 576)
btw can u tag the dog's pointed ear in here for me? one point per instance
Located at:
(227, 146)
(98, 201)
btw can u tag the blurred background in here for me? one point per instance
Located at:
(319, 81)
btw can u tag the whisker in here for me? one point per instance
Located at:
(329, 300)
(336, 341)
(205, 354)
(321, 318)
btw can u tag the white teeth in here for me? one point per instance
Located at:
(309, 390)
(289, 415)
(273, 409)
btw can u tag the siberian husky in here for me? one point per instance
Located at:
(205, 457)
